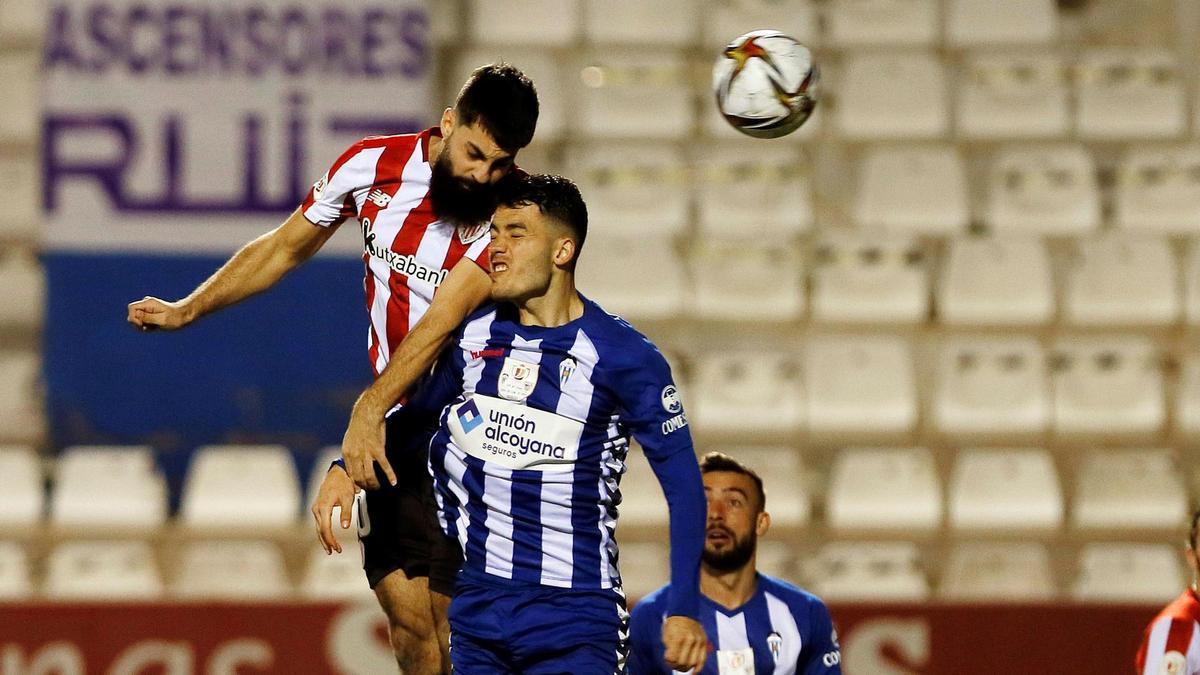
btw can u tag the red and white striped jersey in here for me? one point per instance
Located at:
(1172, 642)
(384, 182)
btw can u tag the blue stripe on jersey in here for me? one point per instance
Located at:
(758, 623)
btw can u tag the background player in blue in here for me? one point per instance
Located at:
(537, 398)
(757, 624)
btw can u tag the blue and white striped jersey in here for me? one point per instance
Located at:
(781, 630)
(534, 430)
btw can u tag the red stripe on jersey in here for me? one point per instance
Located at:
(311, 197)
(1183, 614)
(1180, 636)
(406, 243)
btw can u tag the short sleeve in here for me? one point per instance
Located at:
(822, 655)
(331, 199)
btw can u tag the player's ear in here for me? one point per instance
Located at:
(763, 524)
(449, 119)
(564, 252)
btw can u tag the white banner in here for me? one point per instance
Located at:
(193, 126)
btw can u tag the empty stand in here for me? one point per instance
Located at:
(1130, 490)
(724, 20)
(869, 278)
(1130, 94)
(631, 190)
(24, 285)
(625, 22)
(747, 279)
(103, 570)
(1123, 279)
(241, 487)
(1049, 190)
(507, 22)
(991, 387)
(231, 570)
(868, 572)
(21, 174)
(644, 568)
(920, 190)
(985, 23)
(782, 472)
(752, 191)
(15, 583)
(338, 576)
(1002, 96)
(614, 85)
(1001, 281)
(893, 96)
(1158, 190)
(1005, 489)
(636, 277)
(884, 489)
(21, 117)
(1142, 573)
(642, 501)
(748, 392)
(1108, 386)
(116, 487)
(998, 572)
(21, 495)
(21, 419)
(776, 558)
(1187, 412)
(856, 23)
(22, 20)
(859, 385)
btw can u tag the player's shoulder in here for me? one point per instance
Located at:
(479, 320)
(1186, 607)
(617, 336)
(796, 598)
(390, 140)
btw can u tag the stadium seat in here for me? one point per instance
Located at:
(1191, 286)
(1108, 387)
(22, 21)
(1158, 190)
(895, 96)
(634, 22)
(782, 473)
(859, 385)
(918, 190)
(724, 20)
(857, 23)
(639, 190)
(747, 280)
(338, 576)
(15, 584)
(991, 387)
(24, 284)
(1013, 96)
(1130, 489)
(445, 23)
(862, 277)
(117, 487)
(986, 23)
(1005, 489)
(21, 174)
(1129, 94)
(748, 391)
(241, 487)
(1187, 398)
(103, 570)
(20, 118)
(998, 281)
(998, 572)
(642, 501)
(1128, 573)
(21, 496)
(1123, 279)
(776, 559)
(614, 86)
(507, 22)
(644, 567)
(884, 489)
(752, 191)
(21, 419)
(868, 571)
(542, 67)
(1048, 190)
(231, 570)
(635, 277)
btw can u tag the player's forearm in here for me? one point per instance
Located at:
(683, 487)
(412, 359)
(254, 268)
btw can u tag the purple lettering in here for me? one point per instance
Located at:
(414, 29)
(108, 174)
(339, 38)
(138, 20)
(178, 21)
(60, 40)
(374, 20)
(106, 32)
(295, 35)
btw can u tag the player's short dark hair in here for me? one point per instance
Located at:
(719, 461)
(1194, 529)
(503, 101)
(556, 197)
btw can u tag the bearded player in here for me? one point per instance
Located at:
(423, 202)
(1172, 642)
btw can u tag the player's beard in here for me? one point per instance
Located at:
(456, 200)
(735, 557)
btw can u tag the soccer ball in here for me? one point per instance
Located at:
(766, 84)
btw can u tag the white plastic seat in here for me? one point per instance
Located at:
(614, 87)
(1013, 96)
(992, 386)
(748, 391)
(1130, 94)
(231, 570)
(1044, 190)
(998, 572)
(548, 75)
(1130, 489)
(241, 487)
(20, 118)
(21, 496)
(913, 190)
(1123, 279)
(1158, 190)
(635, 277)
(626, 22)
(782, 473)
(21, 410)
(747, 280)
(1108, 386)
(15, 584)
(869, 278)
(884, 489)
(1005, 489)
(753, 191)
(1191, 286)
(976, 23)
(724, 20)
(996, 281)
(1187, 412)
(103, 570)
(24, 284)
(893, 96)
(507, 22)
(642, 500)
(868, 572)
(644, 568)
(859, 384)
(855, 23)
(776, 559)
(639, 190)
(1128, 573)
(97, 486)
(21, 175)
(338, 576)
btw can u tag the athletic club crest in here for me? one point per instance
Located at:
(775, 644)
(469, 234)
(517, 379)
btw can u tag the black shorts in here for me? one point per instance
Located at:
(398, 526)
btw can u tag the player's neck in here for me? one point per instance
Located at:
(435, 147)
(729, 589)
(558, 306)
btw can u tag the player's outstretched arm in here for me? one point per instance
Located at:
(253, 269)
(466, 287)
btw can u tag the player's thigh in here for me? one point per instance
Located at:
(406, 602)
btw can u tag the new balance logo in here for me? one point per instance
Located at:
(379, 198)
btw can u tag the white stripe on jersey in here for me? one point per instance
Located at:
(356, 171)
(731, 631)
(1156, 648)
(477, 247)
(476, 332)
(784, 623)
(456, 469)
(434, 246)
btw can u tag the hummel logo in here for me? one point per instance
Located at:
(379, 198)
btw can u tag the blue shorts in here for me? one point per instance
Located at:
(537, 630)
